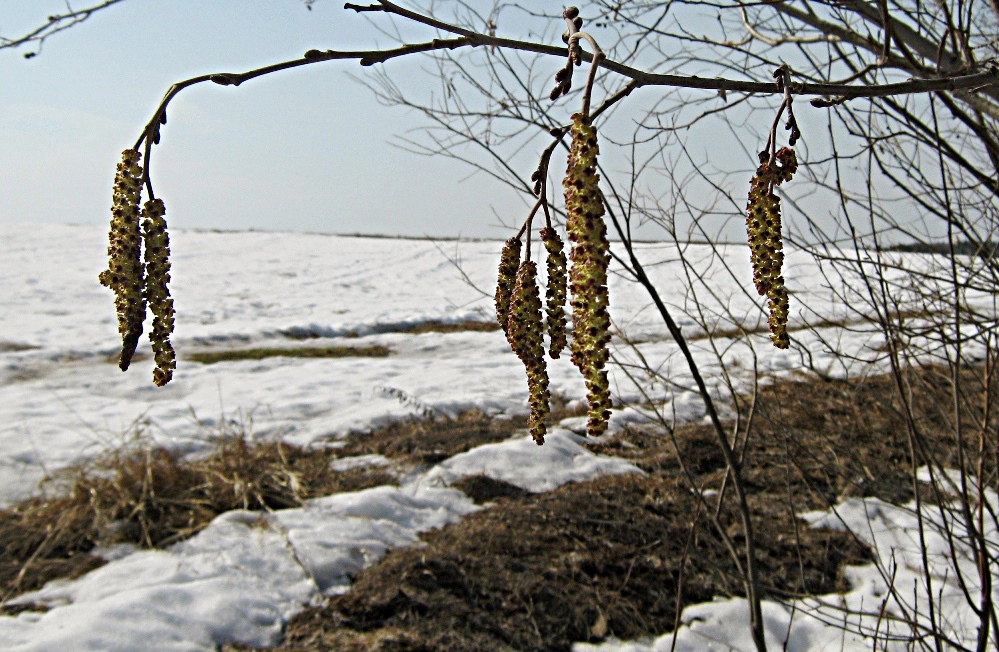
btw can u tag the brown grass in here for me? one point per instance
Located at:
(761, 328)
(614, 556)
(432, 326)
(610, 557)
(211, 357)
(14, 347)
(453, 327)
(152, 497)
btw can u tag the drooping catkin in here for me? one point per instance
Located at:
(588, 277)
(524, 330)
(507, 277)
(763, 225)
(555, 320)
(125, 273)
(157, 254)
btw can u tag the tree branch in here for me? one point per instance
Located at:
(53, 25)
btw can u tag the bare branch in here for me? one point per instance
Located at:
(53, 25)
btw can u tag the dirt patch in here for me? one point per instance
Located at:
(483, 489)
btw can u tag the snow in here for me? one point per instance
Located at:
(62, 399)
(523, 463)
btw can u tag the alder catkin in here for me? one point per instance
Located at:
(763, 226)
(125, 272)
(555, 319)
(507, 277)
(590, 257)
(524, 330)
(157, 254)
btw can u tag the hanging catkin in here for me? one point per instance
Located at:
(590, 257)
(763, 225)
(507, 277)
(157, 254)
(524, 330)
(125, 273)
(555, 320)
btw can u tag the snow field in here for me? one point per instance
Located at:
(246, 574)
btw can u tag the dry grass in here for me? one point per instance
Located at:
(432, 326)
(614, 556)
(211, 357)
(152, 497)
(14, 347)
(429, 441)
(762, 327)
(618, 556)
(453, 327)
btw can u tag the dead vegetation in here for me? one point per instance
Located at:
(614, 556)
(620, 556)
(211, 357)
(152, 497)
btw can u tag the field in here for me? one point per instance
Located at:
(340, 463)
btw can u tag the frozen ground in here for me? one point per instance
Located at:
(62, 398)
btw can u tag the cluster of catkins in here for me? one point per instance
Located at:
(763, 224)
(135, 283)
(518, 302)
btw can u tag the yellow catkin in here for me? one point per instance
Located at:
(763, 226)
(524, 331)
(590, 257)
(125, 273)
(507, 277)
(555, 320)
(157, 254)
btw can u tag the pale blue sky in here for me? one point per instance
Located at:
(304, 150)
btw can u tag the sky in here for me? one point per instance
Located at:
(304, 150)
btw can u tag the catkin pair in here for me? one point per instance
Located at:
(590, 258)
(763, 225)
(136, 283)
